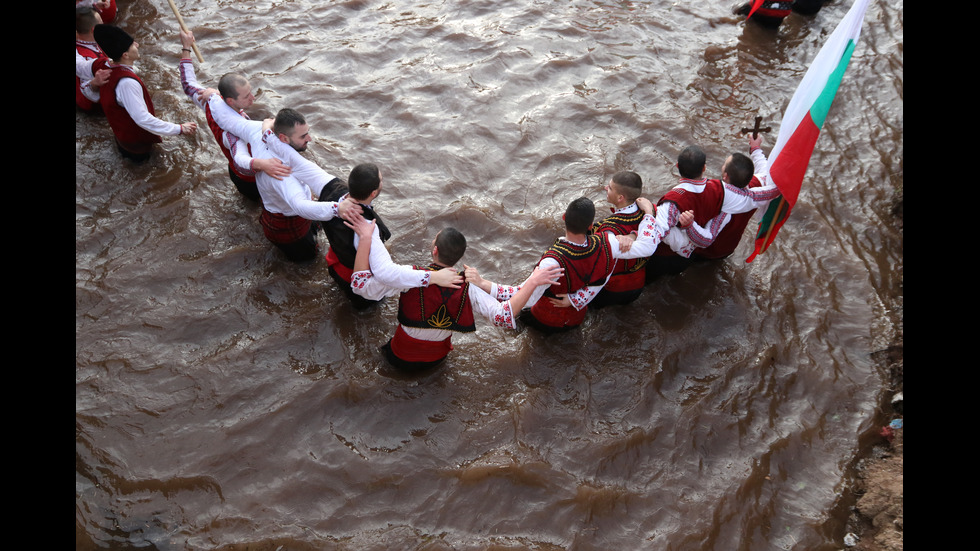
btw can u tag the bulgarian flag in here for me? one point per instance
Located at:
(802, 120)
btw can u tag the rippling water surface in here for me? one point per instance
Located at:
(228, 399)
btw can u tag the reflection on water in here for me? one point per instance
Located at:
(226, 398)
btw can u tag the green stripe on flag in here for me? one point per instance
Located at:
(819, 109)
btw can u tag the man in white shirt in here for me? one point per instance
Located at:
(428, 316)
(87, 51)
(237, 93)
(588, 260)
(290, 216)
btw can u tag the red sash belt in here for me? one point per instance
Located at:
(280, 228)
(343, 271)
(627, 281)
(410, 349)
(552, 316)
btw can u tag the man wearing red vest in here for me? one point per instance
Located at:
(293, 207)
(748, 178)
(710, 200)
(429, 314)
(629, 276)
(87, 52)
(125, 100)
(236, 91)
(694, 192)
(588, 260)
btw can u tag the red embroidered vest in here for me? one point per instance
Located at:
(86, 51)
(729, 237)
(435, 307)
(129, 135)
(629, 274)
(219, 135)
(584, 265)
(706, 204)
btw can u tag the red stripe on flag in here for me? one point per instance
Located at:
(789, 168)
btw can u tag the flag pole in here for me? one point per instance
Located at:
(775, 222)
(180, 21)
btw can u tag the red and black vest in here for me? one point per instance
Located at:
(435, 307)
(85, 49)
(584, 265)
(130, 136)
(705, 203)
(219, 135)
(629, 275)
(729, 236)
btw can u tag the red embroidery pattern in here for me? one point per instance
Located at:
(505, 318)
(360, 279)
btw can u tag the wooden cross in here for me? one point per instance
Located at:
(755, 131)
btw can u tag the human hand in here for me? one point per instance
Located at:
(188, 128)
(625, 242)
(545, 275)
(446, 277)
(685, 219)
(186, 39)
(472, 275)
(273, 167)
(645, 205)
(348, 206)
(561, 302)
(205, 95)
(267, 124)
(100, 78)
(362, 227)
(755, 142)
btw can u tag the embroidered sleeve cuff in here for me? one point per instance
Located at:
(425, 279)
(360, 279)
(649, 228)
(505, 292)
(505, 318)
(580, 299)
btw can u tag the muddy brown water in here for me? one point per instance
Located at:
(228, 399)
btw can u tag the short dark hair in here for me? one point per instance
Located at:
(630, 184)
(451, 244)
(85, 20)
(691, 161)
(286, 120)
(230, 83)
(740, 170)
(579, 215)
(363, 180)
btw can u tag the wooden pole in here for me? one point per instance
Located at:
(775, 220)
(180, 21)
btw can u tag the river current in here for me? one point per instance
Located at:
(226, 398)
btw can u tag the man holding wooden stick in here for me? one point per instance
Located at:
(236, 91)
